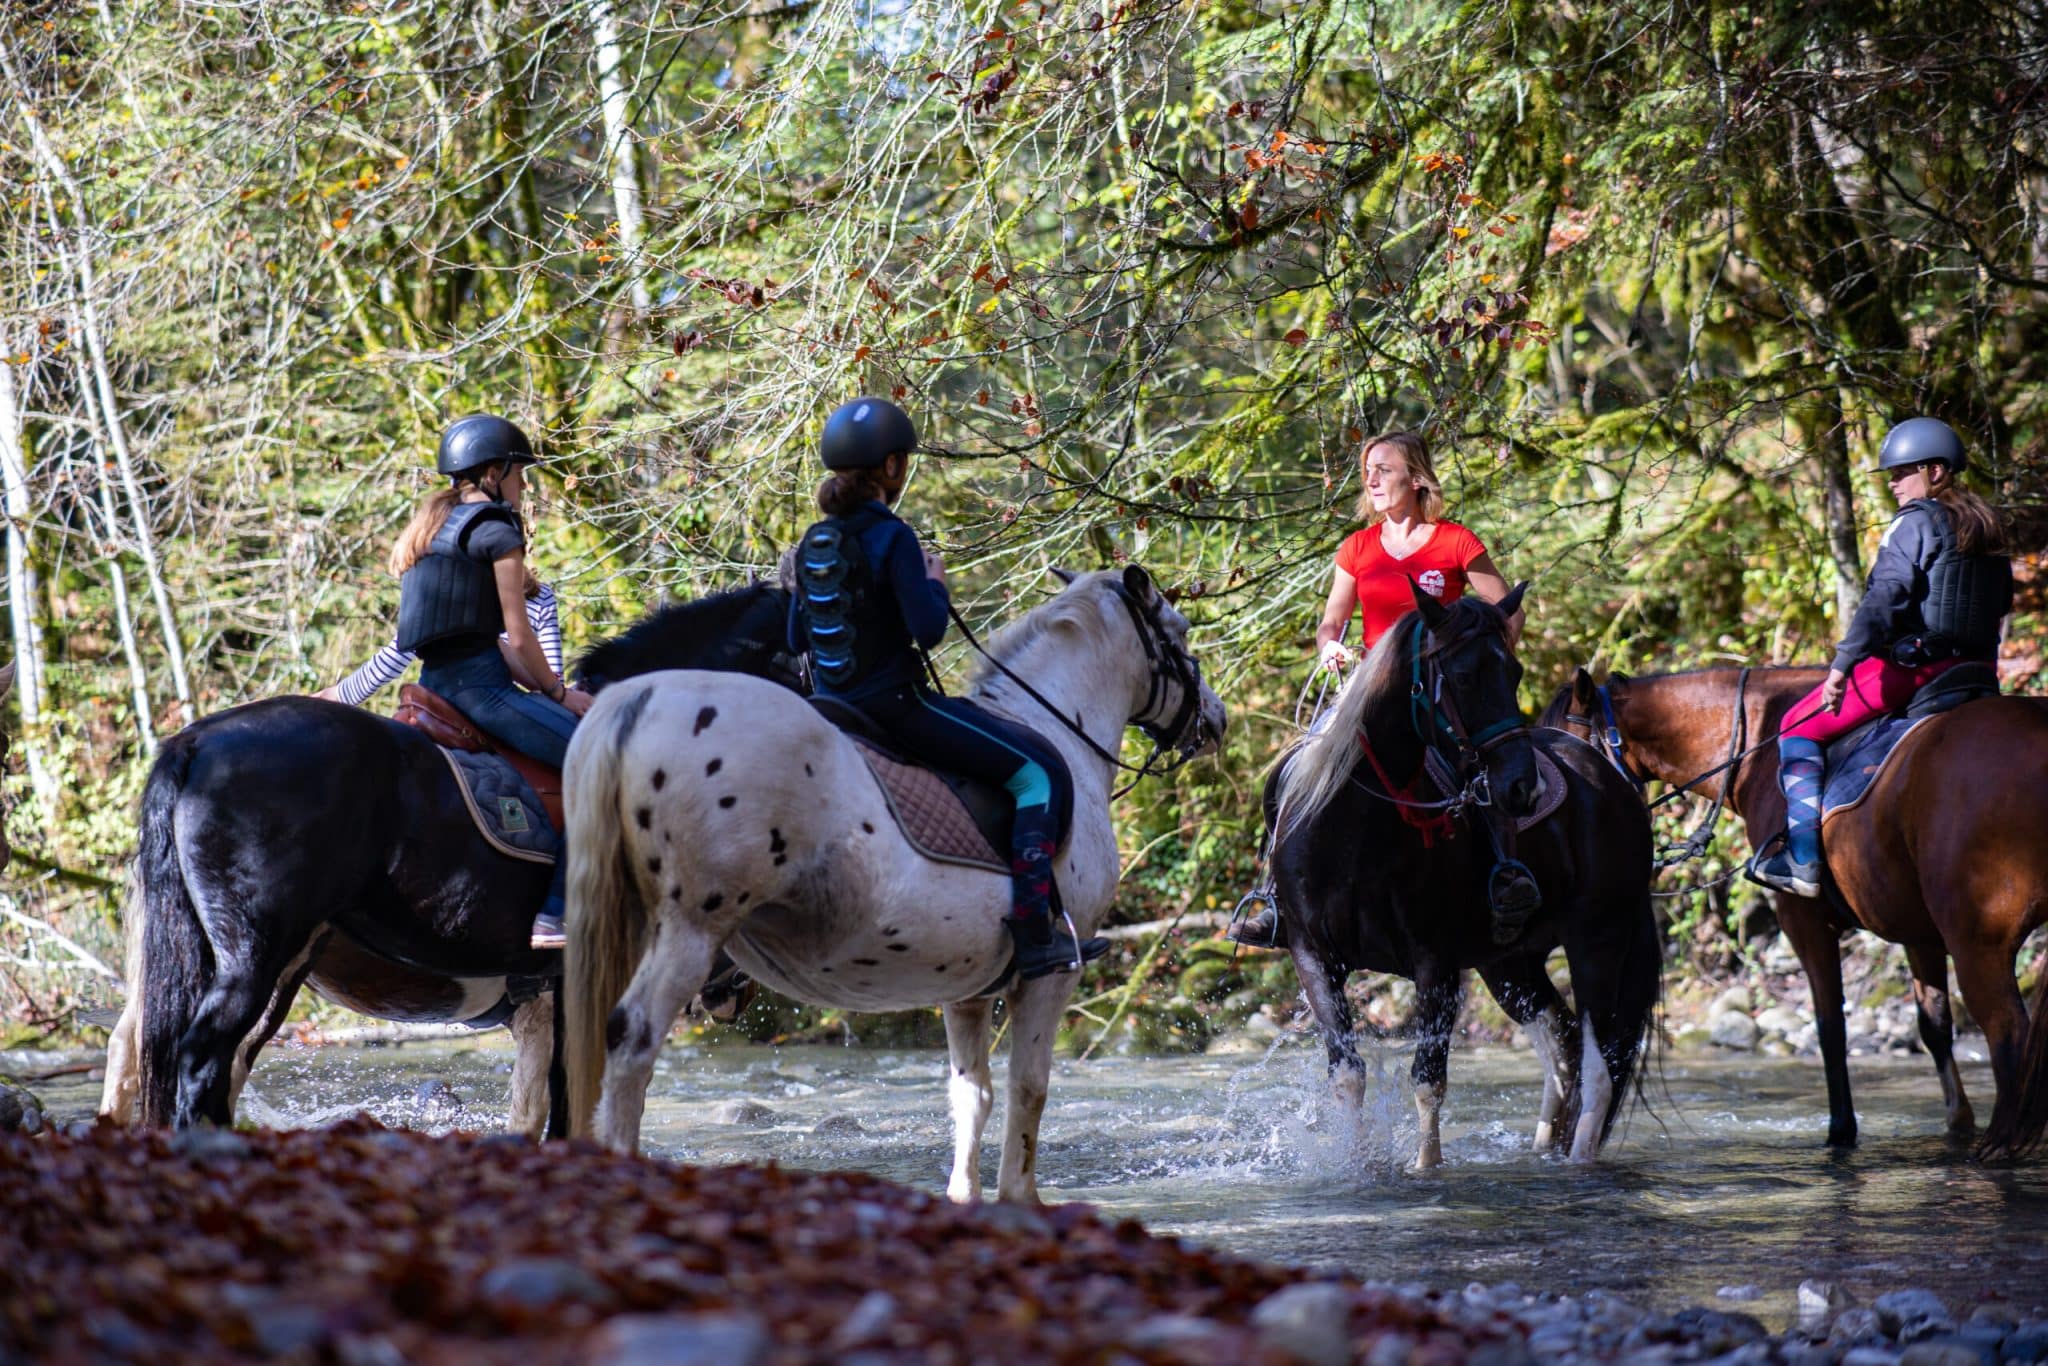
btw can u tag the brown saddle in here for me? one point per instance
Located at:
(434, 717)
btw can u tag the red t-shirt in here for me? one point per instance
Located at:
(1438, 565)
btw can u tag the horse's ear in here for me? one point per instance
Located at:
(1582, 685)
(1063, 574)
(1433, 612)
(1139, 584)
(1512, 603)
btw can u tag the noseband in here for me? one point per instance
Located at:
(1167, 665)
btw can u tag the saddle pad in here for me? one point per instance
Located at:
(1852, 769)
(928, 813)
(507, 812)
(1551, 777)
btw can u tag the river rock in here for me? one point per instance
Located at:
(530, 1287)
(747, 1112)
(282, 1329)
(1181, 1337)
(1780, 1020)
(1741, 1294)
(1872, 1356)
(1820, 1300)
(838, 1126)
(868, 1323)
(1856, 1325)
(1735, 998)
(1733, 1030)
(1262, 1026)
(1912, 1314)
(2028, 1342)
(1715, 1331)
(681, 1340)
(1309, 1322)
(1948, 1351)
(20, 1110)
(205, 1143)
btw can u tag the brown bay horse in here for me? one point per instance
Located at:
(1947, 855)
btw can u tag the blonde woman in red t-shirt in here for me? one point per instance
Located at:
(1405, 541)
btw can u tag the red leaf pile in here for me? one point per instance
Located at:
(359, 1243)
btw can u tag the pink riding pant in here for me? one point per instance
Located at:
(1876, 687)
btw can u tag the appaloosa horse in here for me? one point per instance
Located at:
(711, 810)
(1374, 870)
(1947, 854)
(296, 842)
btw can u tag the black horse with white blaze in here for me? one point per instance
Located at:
(1378, 868)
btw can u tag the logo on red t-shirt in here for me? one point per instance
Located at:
(1432, 581)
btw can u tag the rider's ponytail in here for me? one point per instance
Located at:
(1978, 528)
(419, 533)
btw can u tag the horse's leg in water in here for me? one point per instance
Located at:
(1524, 990)
(533, 1037)
(1985, 973)
(1323, 985)
(1938, 1030)
(972, 1093)
(1819, 946)
(1436, 1015)
(288, 985)
(124, 1077)
(1035, 1010)
(677, 964)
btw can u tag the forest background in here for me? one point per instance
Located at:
(1654, 278)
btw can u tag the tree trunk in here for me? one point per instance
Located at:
(618, 141)
(23, 593)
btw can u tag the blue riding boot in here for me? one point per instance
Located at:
(1794, 866)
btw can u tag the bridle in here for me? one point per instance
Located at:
(1183, 733)
(1607, 737)
(1609, 741)
(1440, 726)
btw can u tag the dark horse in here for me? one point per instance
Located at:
(294, 840)
(1946, 854)
(1372, 873)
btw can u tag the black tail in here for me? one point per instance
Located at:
(176, 961)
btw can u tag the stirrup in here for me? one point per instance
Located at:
(1237, 931)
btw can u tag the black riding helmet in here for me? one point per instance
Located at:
(1921, 441)
(481, 439)
(862, 434)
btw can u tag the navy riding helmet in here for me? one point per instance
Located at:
(481, 439)
(1921, 441)
(862, 434)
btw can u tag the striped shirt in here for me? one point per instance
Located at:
(388, 663)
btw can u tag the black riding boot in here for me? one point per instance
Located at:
(1041, 949)
(1514, 897)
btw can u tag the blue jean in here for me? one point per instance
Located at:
(480, 686)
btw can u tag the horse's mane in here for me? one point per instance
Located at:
(1317, 766)
(1076, 606)
(680, 631)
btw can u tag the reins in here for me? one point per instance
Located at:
(1171, 732)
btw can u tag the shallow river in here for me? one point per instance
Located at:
(1720, 1185)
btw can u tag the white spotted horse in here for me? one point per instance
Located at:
(1382, 862)
(295, 842)
(713, 811)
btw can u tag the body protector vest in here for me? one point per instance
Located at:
(448, 592)
(852, 629)
(1967, 597)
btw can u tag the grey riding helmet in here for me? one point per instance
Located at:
(1922, 441)
(481, 439)
(862, 434)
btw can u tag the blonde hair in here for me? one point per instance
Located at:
(1429, 490)
(426, 524)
